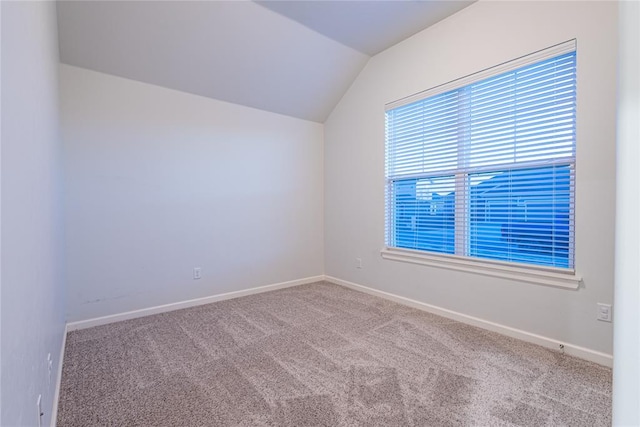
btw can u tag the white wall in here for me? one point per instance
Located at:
(478, 37)
(626, 373)
(159, 182)
(32, 285)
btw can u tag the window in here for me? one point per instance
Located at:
(484, 167)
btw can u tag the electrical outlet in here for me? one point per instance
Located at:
(604, 312)
(197, 273)
(358, 262)
(40, 413)
(49, 366)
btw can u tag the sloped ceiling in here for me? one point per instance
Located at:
(367, 26)
(290, 57)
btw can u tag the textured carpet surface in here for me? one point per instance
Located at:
(320, 355)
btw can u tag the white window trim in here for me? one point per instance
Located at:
(528, 273)
(555, 277)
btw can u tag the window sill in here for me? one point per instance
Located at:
(555, 277)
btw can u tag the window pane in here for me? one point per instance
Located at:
(423, 136)
(522, 215)
(424, 214)
(525, 115)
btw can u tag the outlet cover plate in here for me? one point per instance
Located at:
(604, 312)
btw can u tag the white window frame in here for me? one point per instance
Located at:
(529, 273)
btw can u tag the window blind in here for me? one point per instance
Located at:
(487, 169)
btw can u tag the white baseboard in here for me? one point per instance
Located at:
(56, 394)
(97, 321)
(574, 350)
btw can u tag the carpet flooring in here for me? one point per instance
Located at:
(320, 355)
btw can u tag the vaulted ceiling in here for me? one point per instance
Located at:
(290, 57)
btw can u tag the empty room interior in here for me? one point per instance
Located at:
(320, 213)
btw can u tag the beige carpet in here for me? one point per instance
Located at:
(320, 355)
